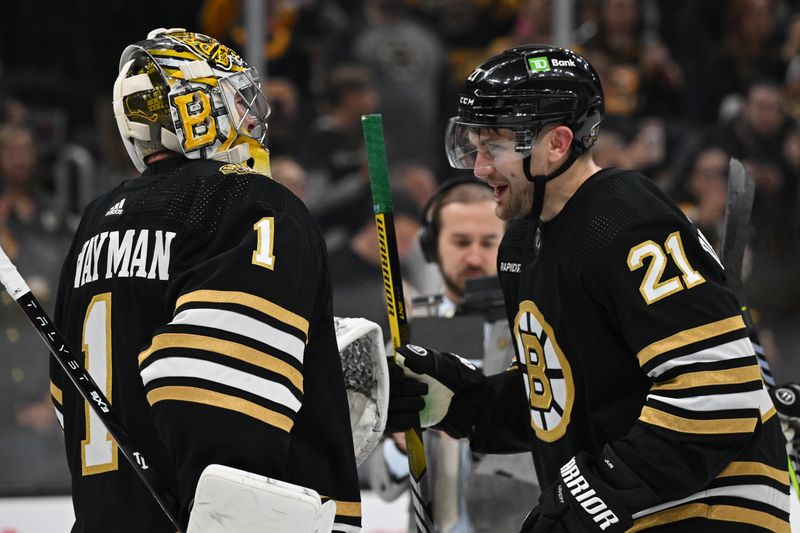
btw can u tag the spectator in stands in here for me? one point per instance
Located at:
(702, 192)
(332, 151)
(639, 75)
(407, 62)
(757, 135)
(30, 441)
(750, 50)
(356, 267)
(287, 171)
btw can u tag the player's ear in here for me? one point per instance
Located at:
(559, 142)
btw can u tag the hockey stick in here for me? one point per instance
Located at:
(19, 291)
(395, 303)
(739, 204)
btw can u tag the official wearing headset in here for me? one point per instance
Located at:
(460, 233)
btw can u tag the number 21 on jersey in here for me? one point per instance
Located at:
(653, 287)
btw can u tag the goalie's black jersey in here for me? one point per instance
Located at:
(627, 336)
(200, 297)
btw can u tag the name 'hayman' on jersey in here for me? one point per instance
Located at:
(135, 252)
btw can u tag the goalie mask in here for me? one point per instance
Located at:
(188, 93)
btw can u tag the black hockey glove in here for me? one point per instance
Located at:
(455, 390)
(405, 400)
(578, 502)
(787, 403)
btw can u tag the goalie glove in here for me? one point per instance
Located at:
(366, 379)
(455, 388)
(787, 403)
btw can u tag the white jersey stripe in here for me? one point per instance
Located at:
(716, 402)
(186, 367)
(245, 326)
(758, 493)
(721, 352)
(60, 418)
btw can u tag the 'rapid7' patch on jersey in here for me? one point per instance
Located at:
(548, 376)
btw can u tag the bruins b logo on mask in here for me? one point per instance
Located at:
(548, 376)
(197, 124)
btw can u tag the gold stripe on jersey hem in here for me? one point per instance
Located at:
(230, 349)
(55, 392)
(727, 513)
(696, 426)
(752, 468)
(731, 376)
(349, 509)
(248, 300)
(224, 401)
(690, 336)
(769, 414)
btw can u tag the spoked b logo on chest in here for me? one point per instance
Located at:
(548, 376)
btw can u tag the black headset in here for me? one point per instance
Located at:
(429, 229)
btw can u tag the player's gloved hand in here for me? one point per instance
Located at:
(787, 403)
(455, 388)
(577, 502)
(405, 400)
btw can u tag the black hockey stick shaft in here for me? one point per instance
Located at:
(395, 303)
(738, 208)
(82, 380)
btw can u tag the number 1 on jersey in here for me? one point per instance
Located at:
(266, 240)
(98, 450)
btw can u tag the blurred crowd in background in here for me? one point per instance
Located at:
(688, 85)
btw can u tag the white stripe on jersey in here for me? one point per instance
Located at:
(721, 352)
(758, 493)
(715, 402)
(186, 367)
(245, 326)
(60, 417)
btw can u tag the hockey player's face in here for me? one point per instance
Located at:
(469, 234)
(501, 168)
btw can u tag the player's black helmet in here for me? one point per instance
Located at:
(524, 89)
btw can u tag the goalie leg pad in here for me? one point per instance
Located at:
(228, 499)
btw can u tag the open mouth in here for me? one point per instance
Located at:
(499, 192)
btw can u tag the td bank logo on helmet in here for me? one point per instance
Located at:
(543, 63)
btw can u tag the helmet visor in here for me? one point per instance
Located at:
(469, 146)
(246, 103)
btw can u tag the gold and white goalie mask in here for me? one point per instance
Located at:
(188, 93)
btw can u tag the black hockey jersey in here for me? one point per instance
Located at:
(200, 297)
(629, 343)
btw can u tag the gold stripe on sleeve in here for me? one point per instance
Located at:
(55, 392)
(351, 509)
(227, 348)
(769, 414)
(224, 401)
(248, 300)
(727, 513)
(690, 336)
(688, 425)
(731, 376)
(751, 468)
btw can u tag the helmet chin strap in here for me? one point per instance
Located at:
(540, 180)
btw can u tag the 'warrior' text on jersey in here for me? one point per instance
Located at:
(629, 344)
(199, 296)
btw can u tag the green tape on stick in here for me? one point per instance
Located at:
(377, 162)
